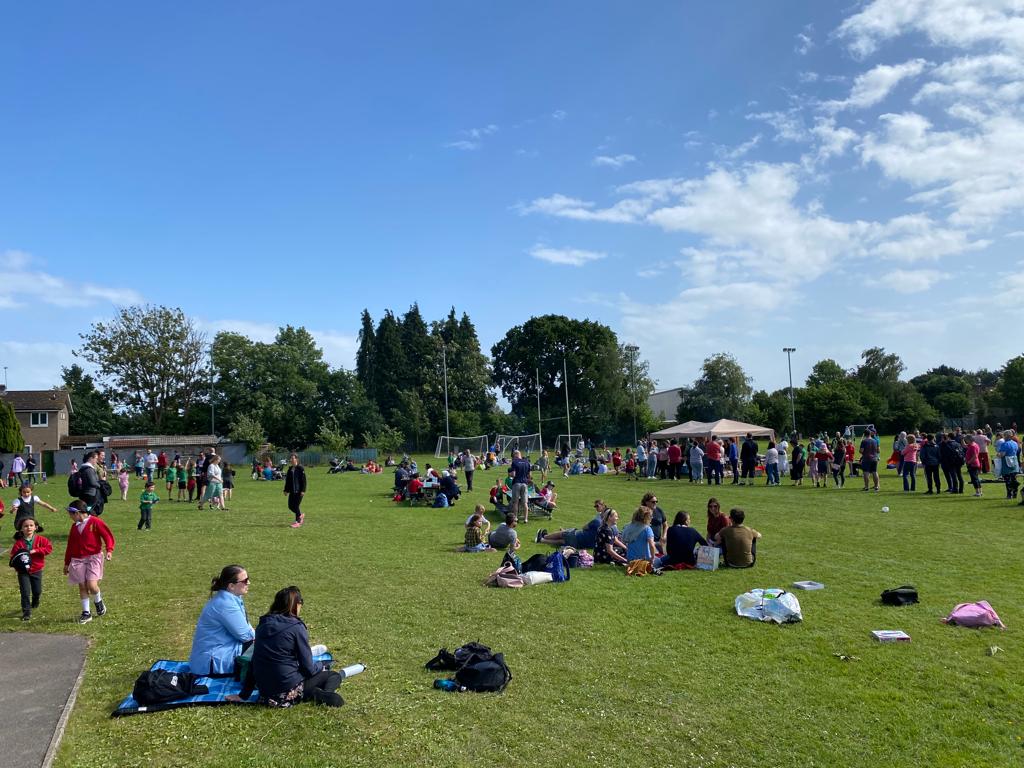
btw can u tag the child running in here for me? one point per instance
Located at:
(83, 558)
(25, 506)
(30, 574)
(172, 477)
(122, 481)
(146, 502)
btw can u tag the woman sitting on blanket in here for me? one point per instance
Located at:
(223, 631)
(282, 663)
(609, 547)
(681, 542)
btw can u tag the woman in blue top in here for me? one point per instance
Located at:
(223, 631)
(639, 536)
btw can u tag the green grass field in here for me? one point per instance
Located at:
(608, 670)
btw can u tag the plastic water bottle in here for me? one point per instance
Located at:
(449, 685)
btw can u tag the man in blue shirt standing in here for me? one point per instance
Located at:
(520, 471)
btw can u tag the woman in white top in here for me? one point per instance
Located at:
(783, 448)
(214, 484)
(771, 463)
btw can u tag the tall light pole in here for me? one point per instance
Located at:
(789, 361)
(213, 428)
(565, 379)
(444, 362)
(540, 429)
(633, 349)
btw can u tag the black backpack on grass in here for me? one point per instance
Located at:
(905, 595)
(484, 675)
(158, 686)
(477, 667)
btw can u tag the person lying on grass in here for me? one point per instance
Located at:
(578, 538)
(681, 542)
(282, 665)
(609, 547)
(476, 534)
(738, 542)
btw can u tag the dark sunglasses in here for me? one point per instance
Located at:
(241, 581)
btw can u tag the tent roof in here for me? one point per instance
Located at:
(721, 428)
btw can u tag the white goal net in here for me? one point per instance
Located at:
(477, 444)
(571, 440)
(527, 444)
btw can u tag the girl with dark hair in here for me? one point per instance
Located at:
(282, 662)
(223, 631)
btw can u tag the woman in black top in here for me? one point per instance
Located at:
(609, 547)
(282, 665)
(681, 540)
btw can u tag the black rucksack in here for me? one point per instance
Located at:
(485, 675)
(904, 595)
(538, 562)
(76, 484)
(158, 686)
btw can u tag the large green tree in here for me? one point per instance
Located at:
(722, 391)
(11, 440)
(389, 364)
(365, 354)
(148, 359)
(596, 374)
(93, 414)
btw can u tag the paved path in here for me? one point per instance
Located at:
(38, 678)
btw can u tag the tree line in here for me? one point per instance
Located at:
(156, 372)
(871, 392)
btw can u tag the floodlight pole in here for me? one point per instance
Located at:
(565, 380)
(444, 363)
(789, 362)
(633, 349)
(213, 406)
(540, 429)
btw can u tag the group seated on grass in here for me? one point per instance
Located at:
(544, 498)
(443, 486)
(281, 664)
(646, 537)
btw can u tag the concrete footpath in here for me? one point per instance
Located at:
(39, 677)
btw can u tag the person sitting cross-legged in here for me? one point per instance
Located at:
(738, 542)
(681, 542)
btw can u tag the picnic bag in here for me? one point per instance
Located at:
(158, 686)
(505, 576)
(707, 558)
(979, 614)
(769, 605)
(511, 558)
(586, 559)
(904, 595)
(639, 567)
(484, 675)
(557, 567)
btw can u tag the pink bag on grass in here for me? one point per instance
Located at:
(979, 614)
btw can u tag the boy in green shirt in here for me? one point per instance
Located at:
(172, 476)
(146, 502)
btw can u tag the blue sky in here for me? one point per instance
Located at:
(702, 177)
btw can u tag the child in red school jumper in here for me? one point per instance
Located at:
(30, 582)
(83, 558)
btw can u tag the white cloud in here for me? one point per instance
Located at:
(789, 124)
(804, 42)
(339, 349)
(573, 257)
(734, 153)
(618, 161)
(25, 284)
(969, 170)
(910, 281)
(35, 364)
(917, 237)
(957, 23)
(559, 114)
(625, 211)
(874, 85)
(472, 138)
(832, 141)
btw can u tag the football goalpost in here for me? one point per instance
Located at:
(527, 444)
(445, 443)
(571, 439)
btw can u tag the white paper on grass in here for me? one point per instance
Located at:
(769, 605)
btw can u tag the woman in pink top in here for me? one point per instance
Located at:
(972, 458)
(909, 454)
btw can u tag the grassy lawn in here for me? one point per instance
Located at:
(608, 670)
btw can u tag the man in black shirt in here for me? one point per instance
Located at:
(295, 489)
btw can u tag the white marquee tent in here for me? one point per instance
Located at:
(705, 429)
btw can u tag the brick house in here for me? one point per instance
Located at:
(43, 415)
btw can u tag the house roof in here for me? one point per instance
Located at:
(158, 441)
(37, 399)
(70, 441)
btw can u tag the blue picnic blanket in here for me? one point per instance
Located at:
(220, 688)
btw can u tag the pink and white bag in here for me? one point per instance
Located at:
(979, 614)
